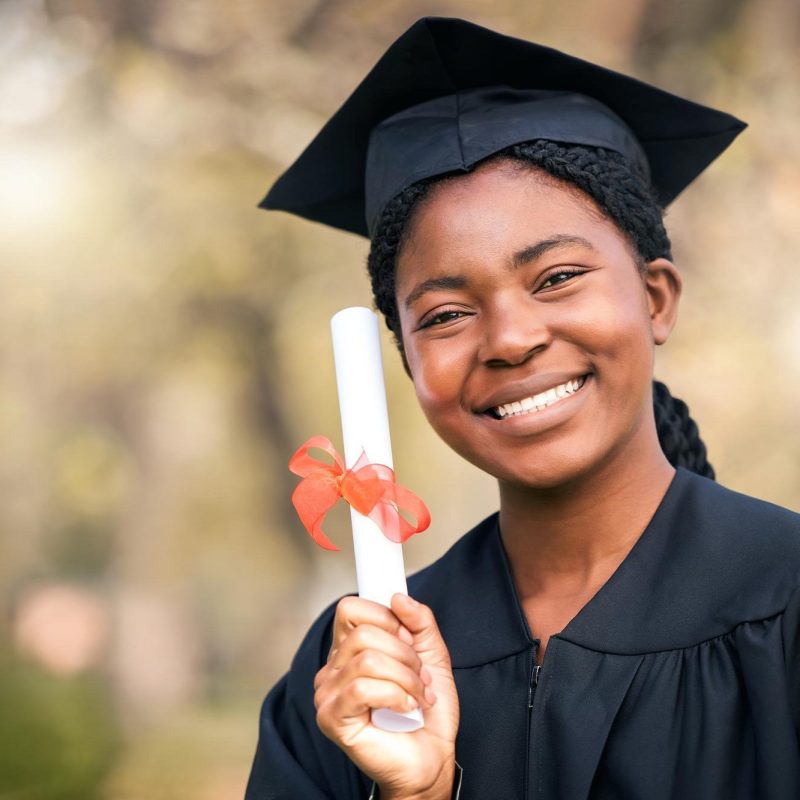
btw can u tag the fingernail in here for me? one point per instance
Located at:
(430, 697)
(411, 702)
(411, 601)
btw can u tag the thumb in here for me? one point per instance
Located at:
(421, 623)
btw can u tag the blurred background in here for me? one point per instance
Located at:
(164, 348)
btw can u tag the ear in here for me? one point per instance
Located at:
(406, 366)
(663, 285)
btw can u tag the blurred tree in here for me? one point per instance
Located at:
(57, 737)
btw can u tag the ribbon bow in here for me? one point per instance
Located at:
(369, 488)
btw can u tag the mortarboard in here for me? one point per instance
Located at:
(449, 93)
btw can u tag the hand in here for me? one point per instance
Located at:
(382, 658)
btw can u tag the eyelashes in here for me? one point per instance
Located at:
(567, 272)
(441, 318)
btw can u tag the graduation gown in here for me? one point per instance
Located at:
(679, 679)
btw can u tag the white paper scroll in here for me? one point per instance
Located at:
(365, 427)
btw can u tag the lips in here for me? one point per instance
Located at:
(533, 395)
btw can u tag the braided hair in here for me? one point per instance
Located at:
(624, 194)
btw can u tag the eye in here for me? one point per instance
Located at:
(559, 276)
(441, 318)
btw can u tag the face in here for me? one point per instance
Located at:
(528, 326)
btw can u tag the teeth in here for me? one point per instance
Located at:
(539, 401)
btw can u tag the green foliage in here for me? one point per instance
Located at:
(57, 736)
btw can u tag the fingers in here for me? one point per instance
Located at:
(374, 665)
(356, 699)
(369, 637)
(354, 611)
(373, 662)
(385, 645)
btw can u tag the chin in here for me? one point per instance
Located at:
(563, 459)
(537, 469)
(544, 478)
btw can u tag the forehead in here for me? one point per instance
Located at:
(502, 203)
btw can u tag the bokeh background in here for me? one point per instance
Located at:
(164, 347)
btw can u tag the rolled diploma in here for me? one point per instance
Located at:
(365, 427)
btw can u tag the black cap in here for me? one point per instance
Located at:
(449, 93)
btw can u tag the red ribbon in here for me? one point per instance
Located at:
(370, 489)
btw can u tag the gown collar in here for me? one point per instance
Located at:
(473, 596)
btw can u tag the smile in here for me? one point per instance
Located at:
(530, 405)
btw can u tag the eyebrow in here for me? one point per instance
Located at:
(432, 284)
(520, 258)
(528, 254)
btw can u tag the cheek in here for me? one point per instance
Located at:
(439, 372)
(614, 326)
(434, 381)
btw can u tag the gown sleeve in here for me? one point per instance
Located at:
(293, 758)
(791, 649)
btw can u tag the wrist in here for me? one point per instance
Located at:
(447, 786)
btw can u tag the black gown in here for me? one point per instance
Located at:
(680, 679)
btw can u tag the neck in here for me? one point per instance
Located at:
(569, 539)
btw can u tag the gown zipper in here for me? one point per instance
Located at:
(533, 682)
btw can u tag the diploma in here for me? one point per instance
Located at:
(365, 429)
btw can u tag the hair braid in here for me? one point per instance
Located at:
(621, 192)
(678, 433)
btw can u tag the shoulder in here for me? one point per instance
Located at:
(728, 558)
(743, 527)
(461, 553)
(710, 559)
(434, 582)
(746, 578)
(470, 591)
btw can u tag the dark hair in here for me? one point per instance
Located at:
(624, 195)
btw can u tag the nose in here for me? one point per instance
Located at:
(513, 332)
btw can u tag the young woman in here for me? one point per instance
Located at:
(624, 627)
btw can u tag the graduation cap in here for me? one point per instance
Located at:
(448, 94)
